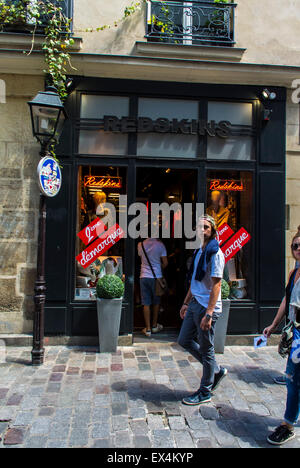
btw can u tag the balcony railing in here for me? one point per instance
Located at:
(191, 22)
(29, 23)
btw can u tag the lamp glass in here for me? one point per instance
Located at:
(44, 122)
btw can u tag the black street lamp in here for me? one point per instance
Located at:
(47, 118)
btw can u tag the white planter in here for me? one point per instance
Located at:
(221, 327)
(109, 317)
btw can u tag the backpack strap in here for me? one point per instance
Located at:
(148, 260)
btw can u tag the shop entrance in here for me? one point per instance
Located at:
(167, 185)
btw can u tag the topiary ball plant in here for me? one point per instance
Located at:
(225, 289)
(110, 287)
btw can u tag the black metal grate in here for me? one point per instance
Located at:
(67, 9)
(66, 5)
(191, 22)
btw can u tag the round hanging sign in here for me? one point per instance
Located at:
(49, 175)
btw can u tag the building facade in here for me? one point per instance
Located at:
(187, 102)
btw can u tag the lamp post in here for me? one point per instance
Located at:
(47, 118)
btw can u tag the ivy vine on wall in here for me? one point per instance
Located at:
(47, 16)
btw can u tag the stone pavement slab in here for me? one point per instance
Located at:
(132, 398)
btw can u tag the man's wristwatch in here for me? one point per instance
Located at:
(208, 317)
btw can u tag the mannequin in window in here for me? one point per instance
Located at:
(217, 210)
(101, 209)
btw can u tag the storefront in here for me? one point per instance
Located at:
(155, 142)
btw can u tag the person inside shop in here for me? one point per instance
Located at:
(201, 308)
(290, 308)
(153, 255)
(217, 209)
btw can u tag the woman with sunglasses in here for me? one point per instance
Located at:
(290, 308)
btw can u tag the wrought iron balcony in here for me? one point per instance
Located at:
(26, 24)
(191, 22)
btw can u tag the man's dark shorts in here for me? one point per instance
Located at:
(148, 296)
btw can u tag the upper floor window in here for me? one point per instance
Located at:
(191, 22)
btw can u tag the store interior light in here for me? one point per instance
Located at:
(72, 82)
(267, 94)
(173, 195)
(69, 83)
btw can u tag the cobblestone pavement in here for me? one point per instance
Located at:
(132, 398)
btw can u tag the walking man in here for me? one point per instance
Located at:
(201, 309)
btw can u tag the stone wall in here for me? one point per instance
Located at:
(118, 40)
(19, 199)
(269, 30)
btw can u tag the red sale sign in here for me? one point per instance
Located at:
(235, 244)
(92, 231)
(224, 232)
(101, 245)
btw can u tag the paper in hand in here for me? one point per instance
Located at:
(260, 341)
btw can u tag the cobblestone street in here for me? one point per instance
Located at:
(80, 398)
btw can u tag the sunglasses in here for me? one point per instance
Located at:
(295, 246)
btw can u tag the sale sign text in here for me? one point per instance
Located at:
(101, 245)
(232, 247)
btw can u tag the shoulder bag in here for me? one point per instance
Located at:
(161, 286)
(286, 340)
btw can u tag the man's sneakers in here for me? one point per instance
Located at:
(280, 380)
(196, 399)
(219, 377)
(157, 329)
(281, 435)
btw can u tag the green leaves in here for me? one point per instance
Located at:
(49, 16)
(130, 10)
(225, 289)
(110, 287)
(56, 27)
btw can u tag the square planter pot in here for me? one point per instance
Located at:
(109, 317)
(221, 327)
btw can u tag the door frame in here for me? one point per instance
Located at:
(197, 165)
